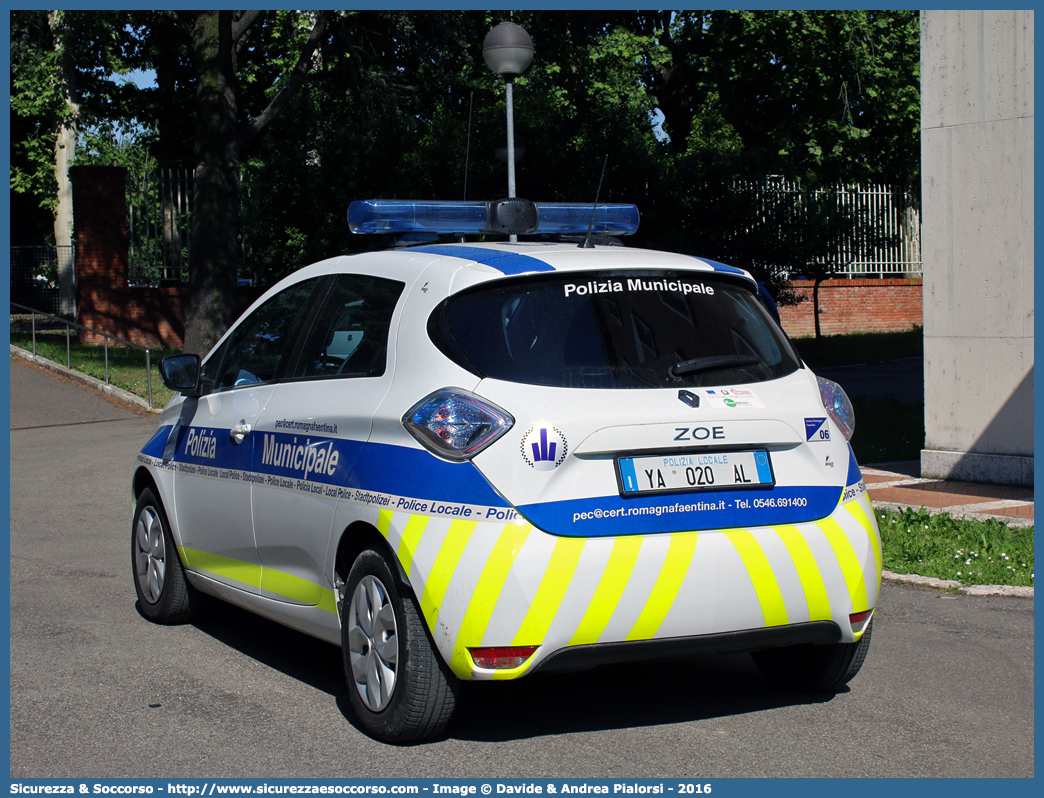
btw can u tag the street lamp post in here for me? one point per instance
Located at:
(508, 51)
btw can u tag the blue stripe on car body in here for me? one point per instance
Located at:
(504, 262)
(416, 473)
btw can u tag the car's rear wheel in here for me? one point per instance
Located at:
(164, 594)
(814, 669)
(398, 685)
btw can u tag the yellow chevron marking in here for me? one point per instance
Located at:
(384, 522)
(857, 511)
(808, 572)
(487, 592)
(610, 588)
(764, 580)
(410, 538)
(437, 582)
(851, 568)
(549, 594)
(665, 590)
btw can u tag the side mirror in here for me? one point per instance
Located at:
(181, 373)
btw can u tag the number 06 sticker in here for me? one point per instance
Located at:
(816, 430)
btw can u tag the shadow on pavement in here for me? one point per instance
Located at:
(608, 697)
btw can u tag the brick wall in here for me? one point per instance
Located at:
(850, 306)
(152, 317)
(100, 229)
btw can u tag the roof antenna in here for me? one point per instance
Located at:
(586, 243)
(467, 151)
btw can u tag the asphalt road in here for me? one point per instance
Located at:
(97, 691)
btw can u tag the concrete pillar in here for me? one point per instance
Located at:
(977, 244)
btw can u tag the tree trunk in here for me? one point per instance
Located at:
(815, 305)
(213, 256)
(64, 152)
(215, 214)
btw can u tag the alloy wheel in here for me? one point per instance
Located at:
(373, 643)
(150, 553)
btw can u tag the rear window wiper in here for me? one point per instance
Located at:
(711, 363)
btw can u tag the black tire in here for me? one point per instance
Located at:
(164, 594)
(814, 669)
(399, 687)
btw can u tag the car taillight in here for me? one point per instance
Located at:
(456, 424)
(859, 620)
(838, 406)
(501, 658)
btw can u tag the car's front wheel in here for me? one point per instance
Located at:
(814, 669)
(398, 685)
(164, 594)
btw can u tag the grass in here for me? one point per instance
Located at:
(972, 552)
(126, 364)
(856, 348)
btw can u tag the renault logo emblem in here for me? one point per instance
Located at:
(691, 399)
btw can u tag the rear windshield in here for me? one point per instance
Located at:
(618, 329)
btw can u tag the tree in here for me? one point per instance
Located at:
(62, 64)
(36, 107)
(815, 95)
(217, 38)
(400, 104)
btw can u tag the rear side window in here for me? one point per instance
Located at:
(349, 337)
(615, 329)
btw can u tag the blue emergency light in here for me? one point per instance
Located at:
(507, 216)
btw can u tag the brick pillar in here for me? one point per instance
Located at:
(100, 228)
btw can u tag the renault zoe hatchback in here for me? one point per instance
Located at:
(479, 460)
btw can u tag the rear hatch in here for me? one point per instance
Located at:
(644, 401)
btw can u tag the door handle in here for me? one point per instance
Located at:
(239, 432)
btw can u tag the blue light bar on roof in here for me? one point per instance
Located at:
(559, 218)
(555, 218)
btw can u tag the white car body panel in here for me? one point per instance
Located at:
(497, 552)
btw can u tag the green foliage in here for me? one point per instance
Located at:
(398, 103)
(114, 143)
(969, 551)
(814, 95)
(37, 103)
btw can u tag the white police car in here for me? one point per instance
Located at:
(480, 460)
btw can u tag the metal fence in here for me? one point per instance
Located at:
(885, 243)
(895, 217)
(18, 311)
(884, 240)
(34, 276)
(158, 214)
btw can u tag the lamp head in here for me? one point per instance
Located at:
(508, 50)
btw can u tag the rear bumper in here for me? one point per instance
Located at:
(583, 657)
(482, 584)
